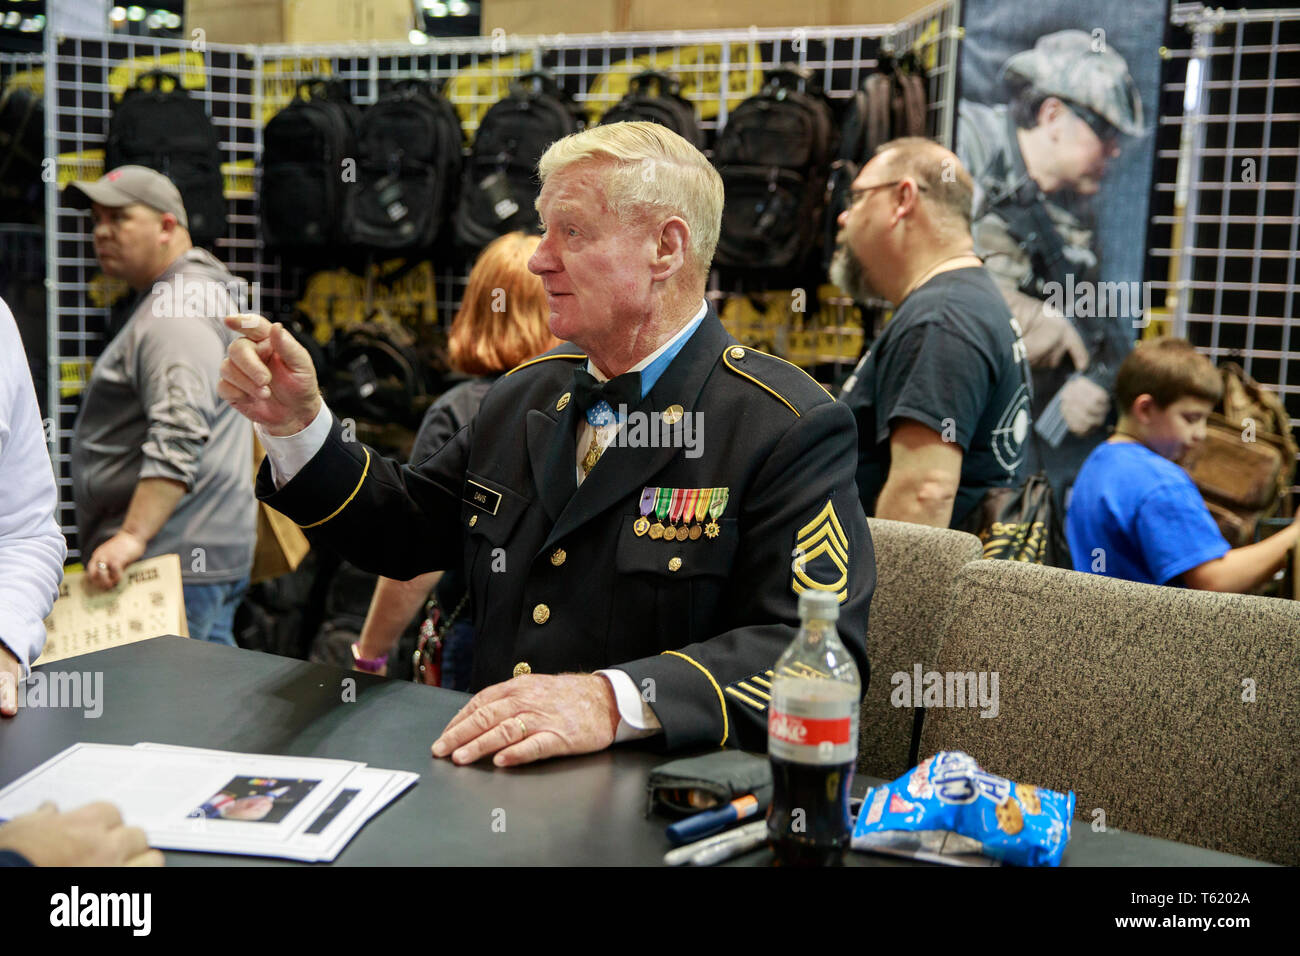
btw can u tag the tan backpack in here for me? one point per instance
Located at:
(1246, 466)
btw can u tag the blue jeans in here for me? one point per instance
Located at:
(210, 610)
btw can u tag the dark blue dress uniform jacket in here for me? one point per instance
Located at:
(561, 581)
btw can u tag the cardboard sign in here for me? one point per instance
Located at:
(147, 602)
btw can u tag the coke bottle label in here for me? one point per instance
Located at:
(813, 732)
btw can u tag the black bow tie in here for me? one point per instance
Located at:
(621, 390)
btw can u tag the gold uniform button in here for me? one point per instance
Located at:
(541, 614)
(558, 556)
(737, 352)
(522, 668)
(564, 401)
(674, 564)
(673, 414)
(473, 520)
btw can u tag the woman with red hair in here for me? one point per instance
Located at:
(503, 321)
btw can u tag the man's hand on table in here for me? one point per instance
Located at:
(533, 717)
(268, 377)
(92, 835)
(11, 672)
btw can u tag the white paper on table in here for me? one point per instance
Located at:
(158, 790)
(367, 791)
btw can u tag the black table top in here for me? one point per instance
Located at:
(587, 810)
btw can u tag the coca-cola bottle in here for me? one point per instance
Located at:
(812, 739)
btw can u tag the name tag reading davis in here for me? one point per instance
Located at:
(482, 497)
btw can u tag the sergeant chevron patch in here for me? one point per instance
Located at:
(754, 692)
(821, 555)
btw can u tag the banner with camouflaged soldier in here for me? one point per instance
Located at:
(1056, 124)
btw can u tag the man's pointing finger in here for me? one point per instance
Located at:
(254, 326)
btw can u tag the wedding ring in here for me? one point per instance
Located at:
(522, 726)
(102, 565)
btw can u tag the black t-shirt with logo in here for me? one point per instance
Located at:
(950, 358)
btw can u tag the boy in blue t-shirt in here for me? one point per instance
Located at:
(1134, 513)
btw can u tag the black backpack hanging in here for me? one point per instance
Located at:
(167, 129)
(887, 104)
(773, 156)
(908, 106)
(663, 105)
(22, 149)
(303, 149)
(22, 134)
(409, 150)
(500, 182)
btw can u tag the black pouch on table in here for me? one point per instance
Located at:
(691, 784)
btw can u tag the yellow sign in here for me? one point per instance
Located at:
(73, 376)
(187, 64)
(472, 91)
(83, 164)
(784, 324)
(237, 177)
(103, 291)
(281, 78)
(338, 299)
(926, 45)
(33, 80)
(698, 67)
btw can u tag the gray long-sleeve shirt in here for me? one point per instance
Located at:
(151, 410)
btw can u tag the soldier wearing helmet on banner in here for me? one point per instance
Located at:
(1036, 163)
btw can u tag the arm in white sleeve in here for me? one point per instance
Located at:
(288, 454)
(636, 719)
(32, 548)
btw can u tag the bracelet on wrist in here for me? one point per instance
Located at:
(371, 665)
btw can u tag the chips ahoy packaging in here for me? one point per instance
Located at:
(949, 810)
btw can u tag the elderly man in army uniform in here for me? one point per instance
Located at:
(629, 580)
(1035, 162)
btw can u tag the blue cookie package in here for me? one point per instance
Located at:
(948, 809)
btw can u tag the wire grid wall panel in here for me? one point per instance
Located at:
(11, 63)
(240, 87)
(718, 68)
(83, 76)
(1233, 261)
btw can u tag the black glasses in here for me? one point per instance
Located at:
(1102, 127)
(856, 194)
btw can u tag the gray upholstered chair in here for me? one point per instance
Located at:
(1175, 712)
(915, 567)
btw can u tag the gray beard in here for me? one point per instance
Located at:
(847, 273)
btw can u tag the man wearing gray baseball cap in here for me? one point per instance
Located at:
(160, 464)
